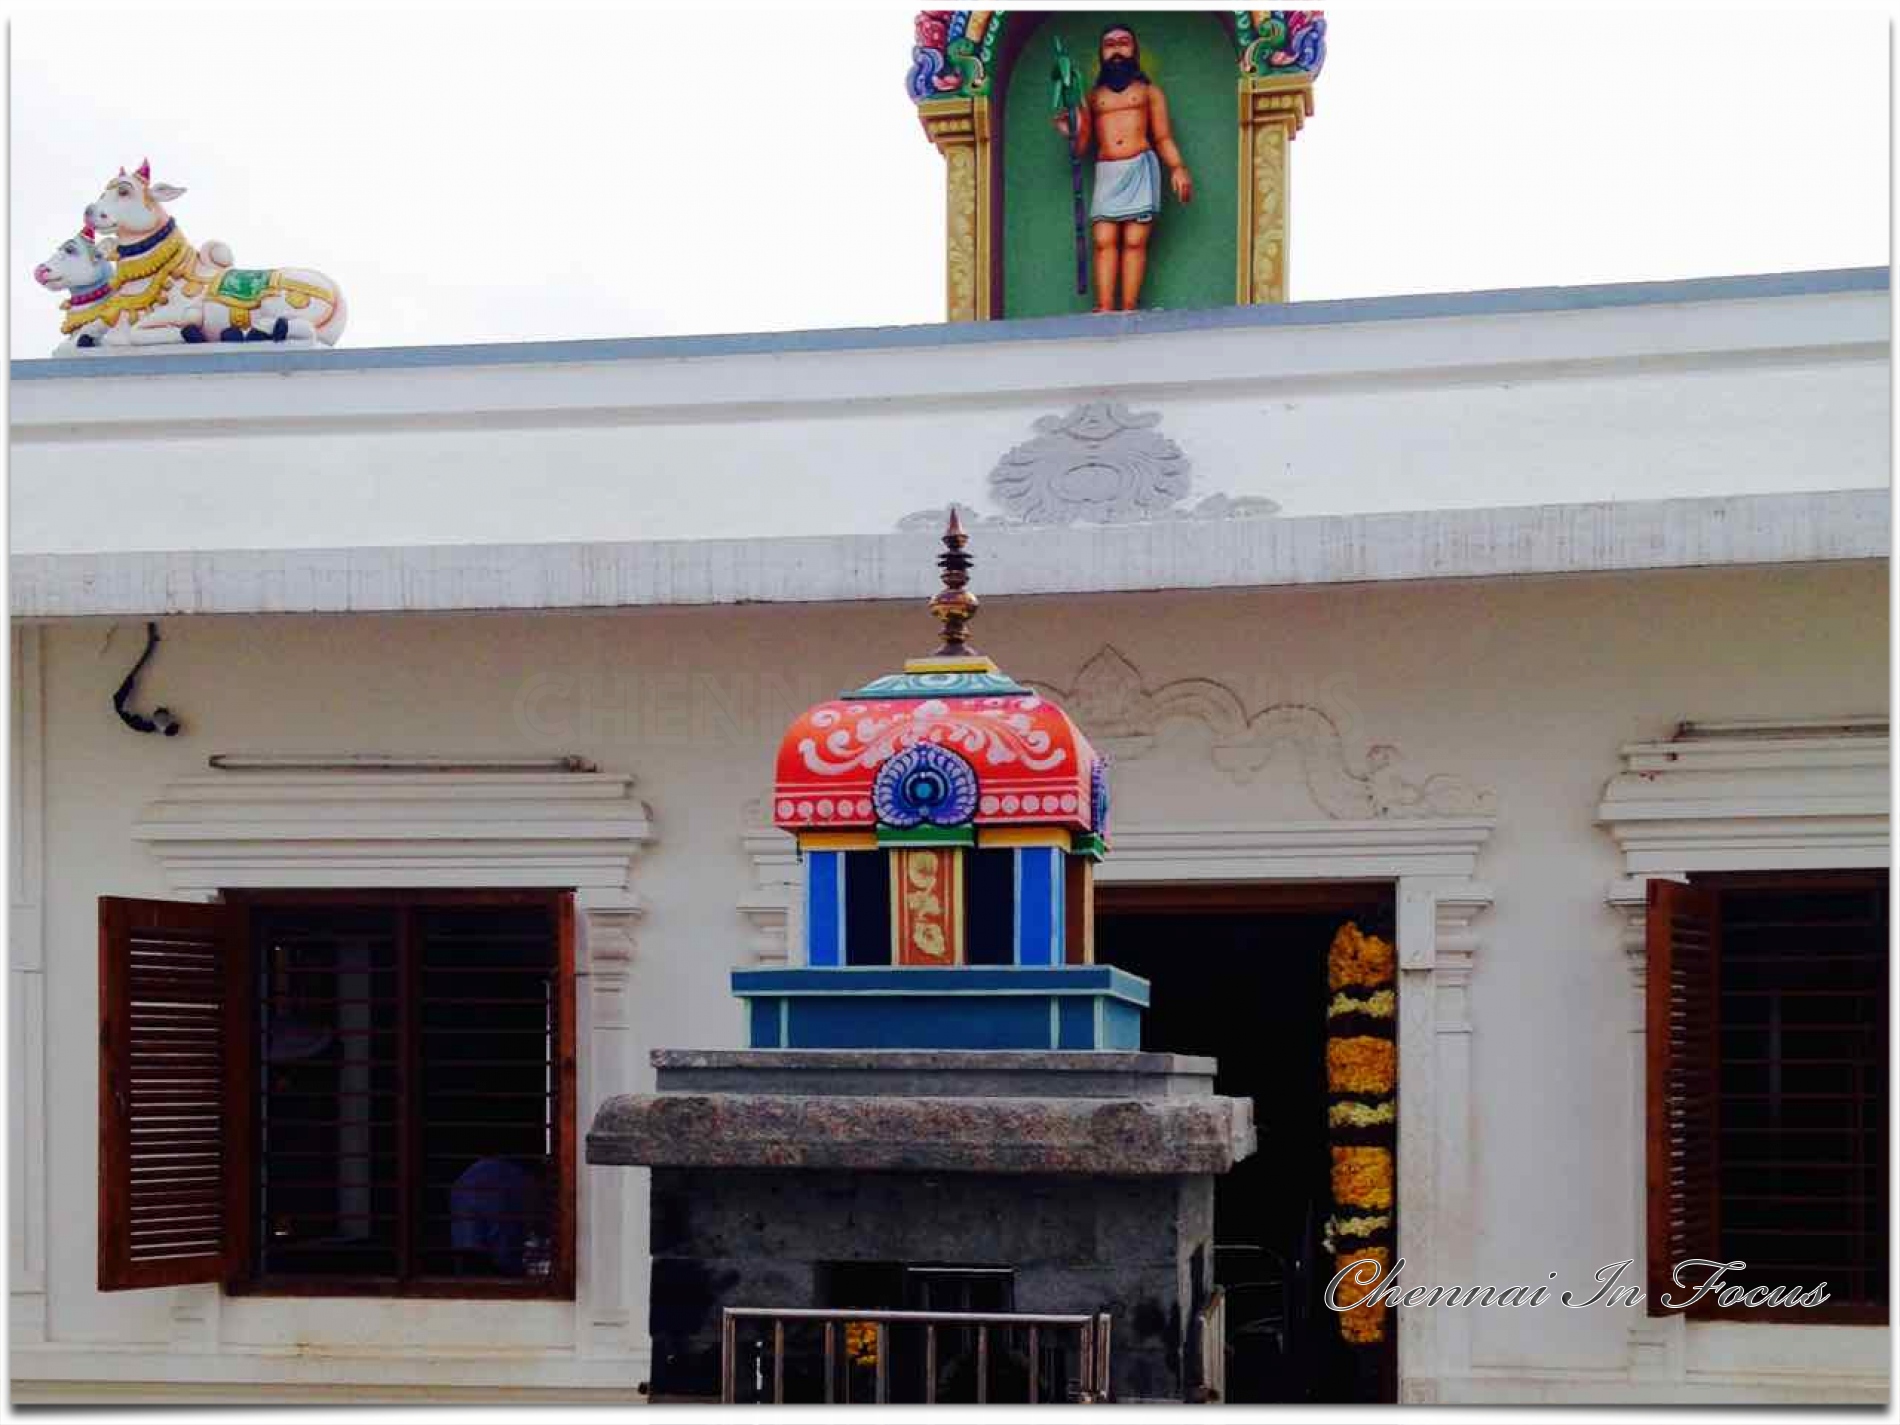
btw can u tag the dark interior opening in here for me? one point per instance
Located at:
(404, 1116)
(1802, 1146)
(989, 900)
(867, 908)
(1239, 973)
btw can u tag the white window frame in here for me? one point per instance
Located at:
(425, 823)
(1740, 794)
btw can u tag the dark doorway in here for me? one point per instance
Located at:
(1239, 973)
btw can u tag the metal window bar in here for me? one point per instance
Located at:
(1091, 1339)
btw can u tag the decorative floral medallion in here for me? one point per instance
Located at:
(1100, 464)
(926, 783)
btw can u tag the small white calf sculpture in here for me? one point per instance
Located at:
(79, 268)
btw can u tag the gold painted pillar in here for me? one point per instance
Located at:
(960, 128)
(1271, 112)
(927, 905)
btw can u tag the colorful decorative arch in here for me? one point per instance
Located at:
(990, 761)
(954, 54)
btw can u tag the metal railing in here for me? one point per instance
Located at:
(1211, 1321)
(1087, 1385)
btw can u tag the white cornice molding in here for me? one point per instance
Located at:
(233, 830)
(1479, 543)
(1753, 796)
(1377, 849)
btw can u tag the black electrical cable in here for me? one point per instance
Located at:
(161, 719)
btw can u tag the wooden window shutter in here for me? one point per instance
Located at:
(173, 1085)
(566, 1103)
(1684, 1039)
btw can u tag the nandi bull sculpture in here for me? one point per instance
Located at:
(161, 290)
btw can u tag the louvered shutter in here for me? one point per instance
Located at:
(171, 1092)
(1684, 1034)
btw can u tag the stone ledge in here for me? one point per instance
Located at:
(1100, 1137)
(1048, 1061)
(935, 1073)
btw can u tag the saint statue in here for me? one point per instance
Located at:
(1126, 117)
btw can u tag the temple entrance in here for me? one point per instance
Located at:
(1239, 973)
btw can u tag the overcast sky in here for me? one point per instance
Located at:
(546, 172)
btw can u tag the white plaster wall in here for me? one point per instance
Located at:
(1661, 399)
(1529, 687)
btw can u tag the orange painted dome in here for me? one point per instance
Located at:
(938, 747)
(951, 742)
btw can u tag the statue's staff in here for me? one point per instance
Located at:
(1065, 97)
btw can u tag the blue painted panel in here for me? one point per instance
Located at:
(922, 1022)
(1033, 1021)
(973, 981)
(1121, 1026)
(1039, 905)
(1077, 1024)
(764, 1017)
(824, 908)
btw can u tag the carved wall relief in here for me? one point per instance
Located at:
(1124, 717)
(1100, 464)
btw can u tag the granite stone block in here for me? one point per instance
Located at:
(1088, 1175)
(1117, 1137)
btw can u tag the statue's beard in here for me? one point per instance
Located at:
(1119, 71)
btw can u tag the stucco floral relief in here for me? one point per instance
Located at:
(1123, 717)
(1102, 463)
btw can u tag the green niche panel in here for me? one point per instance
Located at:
(1192, 253)
(926, 835)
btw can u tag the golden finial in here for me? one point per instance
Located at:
(955, 605)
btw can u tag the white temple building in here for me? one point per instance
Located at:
(1500, 606)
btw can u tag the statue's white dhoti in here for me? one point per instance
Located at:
(1127, 189)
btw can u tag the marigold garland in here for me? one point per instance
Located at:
(1362, 1177)
(1362, 1079)
(1362, 1115)
(1358, 959)
(1376, 1006)
(860, 1342)
(1361, 1064)
(1363, 1322)
(1362, 1226)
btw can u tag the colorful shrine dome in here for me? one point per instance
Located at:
(949, 821)
(949, 746)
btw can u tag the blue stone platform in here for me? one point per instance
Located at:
(922, 1007)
